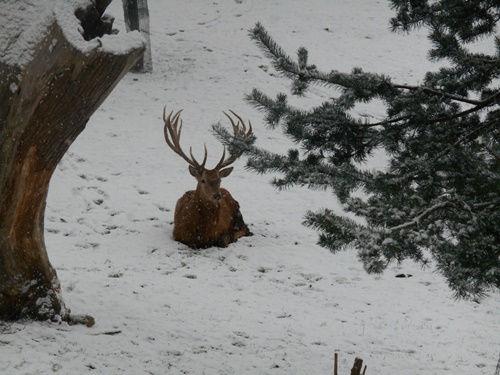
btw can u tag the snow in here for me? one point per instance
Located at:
(24, 24)
(274, 303)
(13, 87)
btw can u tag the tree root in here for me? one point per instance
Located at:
(87, 320)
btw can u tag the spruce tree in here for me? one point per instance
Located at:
(438, 199)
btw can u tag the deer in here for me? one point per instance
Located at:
(208, 216)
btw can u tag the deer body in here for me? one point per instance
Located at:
(208, 216)
(202, 224)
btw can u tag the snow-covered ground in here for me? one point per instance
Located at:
(274, 303)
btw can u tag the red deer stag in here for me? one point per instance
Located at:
(208, 216)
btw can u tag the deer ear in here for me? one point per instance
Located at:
(193, 171)
(225, 172)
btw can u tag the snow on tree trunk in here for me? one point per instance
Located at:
(137, 18)
(53, 77)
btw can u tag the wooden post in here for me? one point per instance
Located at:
(136, 14)
(357, 367)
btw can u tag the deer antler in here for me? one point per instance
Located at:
(237, 130)
(172, 130)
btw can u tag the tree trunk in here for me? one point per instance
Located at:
(136, 14)
(46, 101)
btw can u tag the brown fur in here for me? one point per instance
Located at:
(201, 221)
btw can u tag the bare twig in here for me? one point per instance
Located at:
(480, 104)
(423, 215)
(108, 333)
(440, 93)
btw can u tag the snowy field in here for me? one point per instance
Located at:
(274, 303)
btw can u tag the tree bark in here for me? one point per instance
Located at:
(45, 104)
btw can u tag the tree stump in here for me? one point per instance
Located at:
(356, 368)
(56, 69)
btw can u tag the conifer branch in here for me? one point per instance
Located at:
(375, 85)
(416, 221)
(494, 99)
(439, 190)
(439, 93)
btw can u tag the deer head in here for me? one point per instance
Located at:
(209, 180)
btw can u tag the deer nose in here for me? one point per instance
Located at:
(217, 197)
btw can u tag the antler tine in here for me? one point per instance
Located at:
(235, 127)
(171, 130)
(244, 129)
(202, 166)
(167, 129)
(221, 161)
(237, 131)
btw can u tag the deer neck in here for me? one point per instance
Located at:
(204, 206)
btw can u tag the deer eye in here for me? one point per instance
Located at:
(203, 181)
